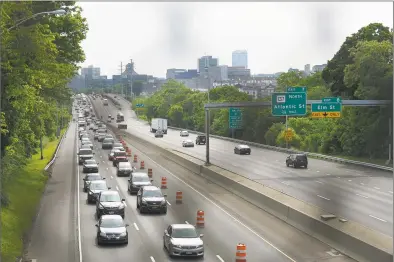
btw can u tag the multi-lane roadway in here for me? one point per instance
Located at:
(354, 193)
(228, 220)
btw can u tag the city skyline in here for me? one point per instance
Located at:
(174, 35)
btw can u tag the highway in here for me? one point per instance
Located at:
(228, 220)
(354, 193)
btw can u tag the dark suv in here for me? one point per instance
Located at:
(150, 199)
(84, 154)
(109, 203)
(119, 156)
(201, 140)
(138, 180)
(297, 160)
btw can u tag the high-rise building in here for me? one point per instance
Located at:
(91, 72)
(218, 73)
(238, 72)
(307, 69)
(240, 58)
(206, 62)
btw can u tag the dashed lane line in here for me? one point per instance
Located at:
(136, 227)
(362, 195)
(378, 218)
(324, 197)
(168, 203)
(152, 259)
(220, 259)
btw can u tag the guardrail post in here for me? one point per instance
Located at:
(207, 128)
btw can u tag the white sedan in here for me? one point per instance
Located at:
(187, 143)
(184, 133)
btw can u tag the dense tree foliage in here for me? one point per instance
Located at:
(38, 59)
(365, 72)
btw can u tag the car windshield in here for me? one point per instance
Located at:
(85, 152)
(98, 186)
(112, 222)
(90, 161)
(110, 198)
(93, 178)
(124, 165)
(184, 233)
(120, 153)
(152, 193)
(140, 179)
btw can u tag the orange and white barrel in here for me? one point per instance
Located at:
(178, 197)
(200, 218)
(163, 182)
(150, 172)
(240, 255)
(135, 159)
(142, 166)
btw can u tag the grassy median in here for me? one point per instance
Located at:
(24, 193)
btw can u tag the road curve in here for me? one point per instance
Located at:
(355, 193)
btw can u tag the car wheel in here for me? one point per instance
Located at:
(287, 164)
(84, 190)
(138, 206)
(165, 211)
(98, 241)
(306, 166)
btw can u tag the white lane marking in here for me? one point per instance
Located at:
(125, 204)
(328, 174)
(376, 187)
(323, 197)
(101, 156)
(362, 195)
(286, 183)
(350, 180)
(168, 203)
(78, 207)
(152, 259)
(34, 260)
(112, 177)
(378, 218)
(107, 168)
(117, 188)
(317, 171)
(220, 259)
(390, 192)
(136, 227)
(187, 222)
(338, 177)
(317, 181)
(224, 211)
(362, 184)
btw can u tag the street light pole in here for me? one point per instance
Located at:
(55, 12)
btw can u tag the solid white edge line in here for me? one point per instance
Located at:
(220, 259)
(377, 188)
(152, 259)
(378, 218)
(220, 208)
(136, 227)
(78, 204)
(117, 188)
(362, 195)
(187, 222)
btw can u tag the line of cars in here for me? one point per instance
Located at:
(178, 239)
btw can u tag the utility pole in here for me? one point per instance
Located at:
(131, 78)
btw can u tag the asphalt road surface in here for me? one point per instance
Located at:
(64, 230)
(354, 193)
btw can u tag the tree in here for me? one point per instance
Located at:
(333, 74)
(288, 79)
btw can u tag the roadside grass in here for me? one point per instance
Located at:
(24, 192)
(381, 162)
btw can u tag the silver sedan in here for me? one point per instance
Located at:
(182, 240)
(187, 143)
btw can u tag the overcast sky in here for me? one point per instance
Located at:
(277, 36)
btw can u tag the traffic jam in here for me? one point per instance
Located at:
(179, 240)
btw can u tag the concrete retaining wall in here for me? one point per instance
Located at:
(350, 238)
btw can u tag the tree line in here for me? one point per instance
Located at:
(38, 59)
(361, 69)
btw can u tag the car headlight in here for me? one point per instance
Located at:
(101, 207)
(123, 234)
(121, 206)
(90, 193)
(144, 201)
(163, 202)
(200, 246)
(178, 246)
(103, 234)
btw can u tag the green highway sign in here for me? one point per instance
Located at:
(235, 118)
(296, 89)
(288, 104)
(331, 100)
(139, 105)
(326, 107)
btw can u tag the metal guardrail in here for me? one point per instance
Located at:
(283, 150)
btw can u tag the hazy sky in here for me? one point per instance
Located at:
(277, 36)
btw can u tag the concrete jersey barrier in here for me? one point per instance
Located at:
(281, 149)
(350, 238)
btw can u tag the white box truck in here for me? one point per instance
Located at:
(158, 124)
